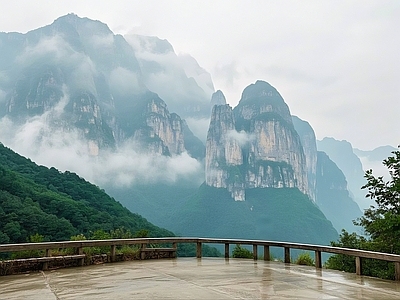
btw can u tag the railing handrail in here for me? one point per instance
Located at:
(109, 242)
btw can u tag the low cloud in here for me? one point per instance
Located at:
(68, 150)
(55, 50)
(179, 81)
(229, 71)
(123, 81)
(52, 48)
(241, 137)
(128, 166)
(102, 41)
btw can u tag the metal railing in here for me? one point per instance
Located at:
(113, 243)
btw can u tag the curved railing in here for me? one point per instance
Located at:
(143, 242)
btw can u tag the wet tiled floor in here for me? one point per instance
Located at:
(191, 278)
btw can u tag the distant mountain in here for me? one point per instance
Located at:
(76, 76)
(341, 152)
(177, 79)
(373, 159)
(327, 181)
(353, 163)
(377, 154)
(332, 196)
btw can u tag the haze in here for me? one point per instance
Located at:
(334, 62)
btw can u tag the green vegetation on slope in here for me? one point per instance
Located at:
(35, 199)
(270, 214)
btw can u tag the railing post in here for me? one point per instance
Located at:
(142, 253)
(266, 253)
(45, 266)
(174, 254)
(79, 251)
(227, 250)
(287, 255)
(397, 271)
(198, 251)
(255, 254)
(358, 265)
(318, 260)
(112, 253)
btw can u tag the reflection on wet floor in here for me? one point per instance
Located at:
(191, 278)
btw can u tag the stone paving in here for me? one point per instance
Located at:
(191, 278)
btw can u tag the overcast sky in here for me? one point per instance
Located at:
(336, 63)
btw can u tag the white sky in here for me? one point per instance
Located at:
(336, 63)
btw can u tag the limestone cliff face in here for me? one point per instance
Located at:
(308, 140)
(83, 112)
(255, 144)
(43, 90)
(33, 94)
(97, 85)
(223, 152)
(162, 131)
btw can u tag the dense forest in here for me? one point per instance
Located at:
(39, 200)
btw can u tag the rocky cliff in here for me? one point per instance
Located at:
(76, 75)
(309, 143)
(255, 144)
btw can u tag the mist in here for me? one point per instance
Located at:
(178, 80)
(67, 150)
(241, 137)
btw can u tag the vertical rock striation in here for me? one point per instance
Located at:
(308, 140)
(255, 145)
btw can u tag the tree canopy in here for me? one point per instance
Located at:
(381, 223)
(36, 199)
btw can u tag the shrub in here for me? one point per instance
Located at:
(240, 252)
(304, 259)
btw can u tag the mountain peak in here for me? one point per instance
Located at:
(79, 24)
(218, 98)
(261, 89)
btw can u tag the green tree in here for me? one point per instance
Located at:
(382, 221)
(240, 252)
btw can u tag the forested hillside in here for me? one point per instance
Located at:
(36, 199)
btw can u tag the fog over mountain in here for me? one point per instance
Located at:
(143, 122)
(336, 57)
(80, 65)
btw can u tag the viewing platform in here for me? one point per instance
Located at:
(196, 278)
(190, 278)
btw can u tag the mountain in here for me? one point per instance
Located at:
(341, 152)
(177, 79)
(373, 159)
(308, 141)
(377, 154)
(118, 111)
(283, 214)
(254, 145)
(77, 77)
(35, 199)
(332, 196)
(327, 181)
